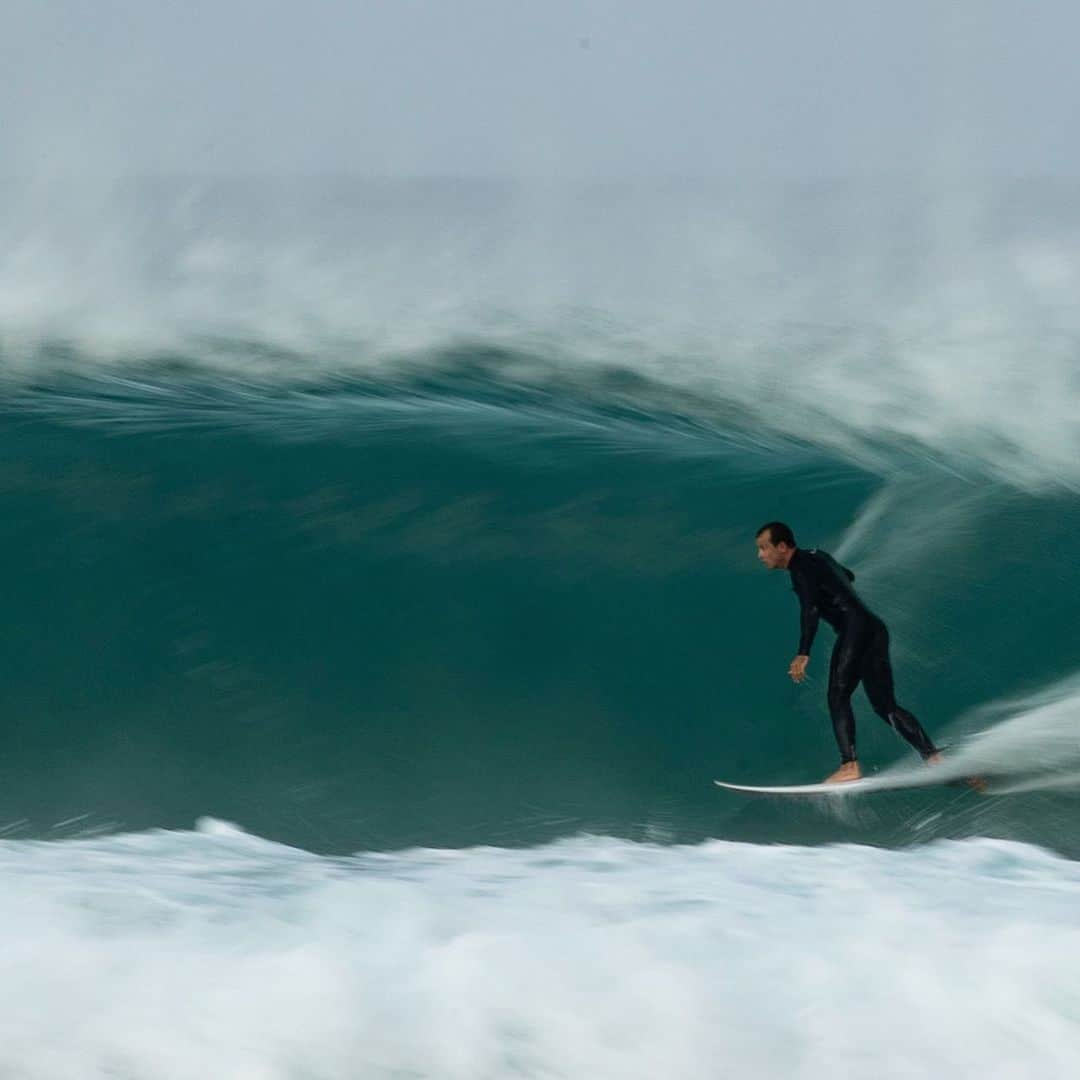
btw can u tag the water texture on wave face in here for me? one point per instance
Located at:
(386, 518)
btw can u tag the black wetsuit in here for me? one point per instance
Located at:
(861, 652)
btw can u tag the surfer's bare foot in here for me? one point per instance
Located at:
(847, 772)
(977, 783)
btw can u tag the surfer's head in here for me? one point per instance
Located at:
(775, 545)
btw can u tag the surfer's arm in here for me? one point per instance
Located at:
(809, 615)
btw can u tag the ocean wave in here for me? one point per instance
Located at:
(941, 328)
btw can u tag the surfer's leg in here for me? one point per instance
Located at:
(877, 678)
(843, 678)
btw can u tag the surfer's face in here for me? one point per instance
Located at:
(772, 556)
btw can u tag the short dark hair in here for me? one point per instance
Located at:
(779, 533)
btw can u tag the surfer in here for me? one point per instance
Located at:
(861, 652)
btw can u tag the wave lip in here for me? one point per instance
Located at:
(856, 321)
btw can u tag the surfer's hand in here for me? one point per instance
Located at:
(797, 671)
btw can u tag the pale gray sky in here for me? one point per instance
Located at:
(545, 87)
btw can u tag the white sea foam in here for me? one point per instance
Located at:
(1028, 741)
(179, 955)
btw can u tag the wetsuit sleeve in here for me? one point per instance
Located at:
(809, 615)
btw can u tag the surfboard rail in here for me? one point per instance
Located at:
(851, 787)
(856, 787)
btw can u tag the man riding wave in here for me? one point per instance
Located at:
(861, 652)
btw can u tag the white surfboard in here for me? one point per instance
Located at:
(848, 788)
(853, 787)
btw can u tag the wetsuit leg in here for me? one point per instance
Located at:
(877, 679)
(845, 670)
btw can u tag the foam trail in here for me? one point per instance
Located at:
(1031, 746)
(859, 537)
(1036, 741)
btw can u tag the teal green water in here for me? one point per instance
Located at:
(458, 609)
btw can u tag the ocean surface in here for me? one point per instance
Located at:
(380, 600)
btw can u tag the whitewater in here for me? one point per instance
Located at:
(174, 954)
